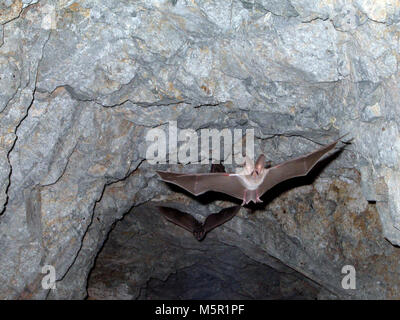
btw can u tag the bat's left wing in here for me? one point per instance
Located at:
(293, 168)
(216, 219)
(200, 183)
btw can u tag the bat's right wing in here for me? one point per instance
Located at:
(180, 218)
(216, 219)
(202, 182)
(293, 168)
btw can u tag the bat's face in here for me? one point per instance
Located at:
(253, 169)
(255, 173)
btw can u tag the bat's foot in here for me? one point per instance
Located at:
(258, 200)
(244, 199)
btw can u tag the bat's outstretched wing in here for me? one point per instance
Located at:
(200, 183)
(293, 168)
(180, 218)
(216, 219)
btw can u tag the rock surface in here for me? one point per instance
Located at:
(82, 83)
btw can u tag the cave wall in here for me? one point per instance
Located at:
(146, 257)
(82, 82)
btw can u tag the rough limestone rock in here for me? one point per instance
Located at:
(83, 82)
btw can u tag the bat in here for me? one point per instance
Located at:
(198, 229)
(252, 181)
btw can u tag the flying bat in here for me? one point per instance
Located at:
(198, 229)
(252, 181)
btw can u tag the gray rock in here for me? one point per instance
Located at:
(82, 83)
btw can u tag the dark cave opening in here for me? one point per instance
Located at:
(146, 257)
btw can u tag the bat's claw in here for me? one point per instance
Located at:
(258, 200)
(199, 235)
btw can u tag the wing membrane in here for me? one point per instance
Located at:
(200, 183)
(293, 168)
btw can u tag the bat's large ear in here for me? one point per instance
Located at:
(248, 163)
(247, 166)
(260, 164)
